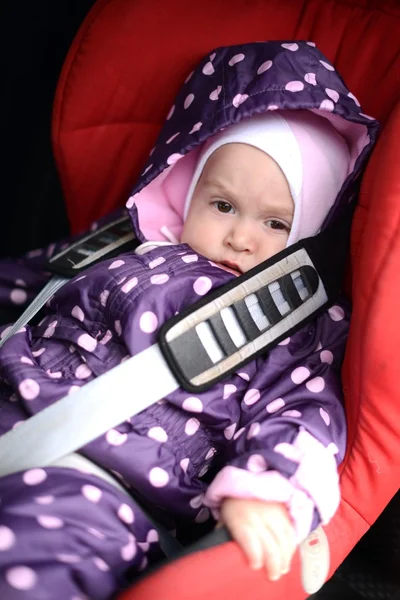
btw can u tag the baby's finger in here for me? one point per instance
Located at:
(251, 544)
(286, 539)
(273, 555)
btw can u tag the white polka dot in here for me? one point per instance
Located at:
(144, 564)
(37, 353)
(73, 388)
(147, 169)
(120, 281)
(171, 160)
(192, 426)
(7, 538)
(171, 112)
(291, 46)
(116, 438)
(294, 86)
(251, 397)
(49, 332)
(236, 59)
(326, 356)
(158, 434)
(292, 413)
(104, 297)
(106, 338)
(5, 331)
(78, 313)
(129, 285)
(118, 327)
(210, 453)
(197, 501)
(239, 99)
(325, 416)
(21, 577)
(327, 105)
(299, 375)
(29, 389)
(310, 78)
(202, 285)
(20, 282)
(26, 361)
(316, 385)
(18, 296)
(264, 67)
(229, 431)
(171, 139)
(50, 522)
(189, 258)
(193, 404)
(54, 374)
(159, 279)
(212, 56)
(208, 68)
(91, 493)
(239, 433)
(275, 405)
(96, 533)
(184, 464)
(215, 93)
(83, 372)
(327, 65)
(148, 322)
(158, 477)
(188, 101)
(256, 463)
(126, 514)
(116, 264)
(229, 389)
(68, 559)
(352, 96)
(336, 313)
(44, 500)
(244, 376)
(196, 127)
(101, 564)
(254, 430)
(87, 342)
(156, 262)
(333, 94)
(284, 342)
(202, 516)
(129, 551)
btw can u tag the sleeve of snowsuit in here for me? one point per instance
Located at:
(21, 279)
(291, 441)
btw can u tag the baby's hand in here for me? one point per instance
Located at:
(264, 532)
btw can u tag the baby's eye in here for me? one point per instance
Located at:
(223, 206)
(278, 225)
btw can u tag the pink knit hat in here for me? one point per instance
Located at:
(312, 154)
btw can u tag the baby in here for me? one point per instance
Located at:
(272, 434)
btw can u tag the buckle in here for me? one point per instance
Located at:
(242, 320)
(107, 242)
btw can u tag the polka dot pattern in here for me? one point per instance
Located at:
(275, 405)
(202, 285)
(251, 397)
(148, 322)
(192, 426)
(29, 389)
(299, 375)
(21, 578)
(7, 538)
(158, 477)
(193, 404)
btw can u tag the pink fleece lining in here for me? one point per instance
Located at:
(314, 484)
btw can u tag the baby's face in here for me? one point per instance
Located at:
(241, 211)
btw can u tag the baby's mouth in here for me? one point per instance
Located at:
(231, 267)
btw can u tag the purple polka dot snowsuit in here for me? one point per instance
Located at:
(274, 429)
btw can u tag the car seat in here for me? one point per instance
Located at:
(119, 79)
